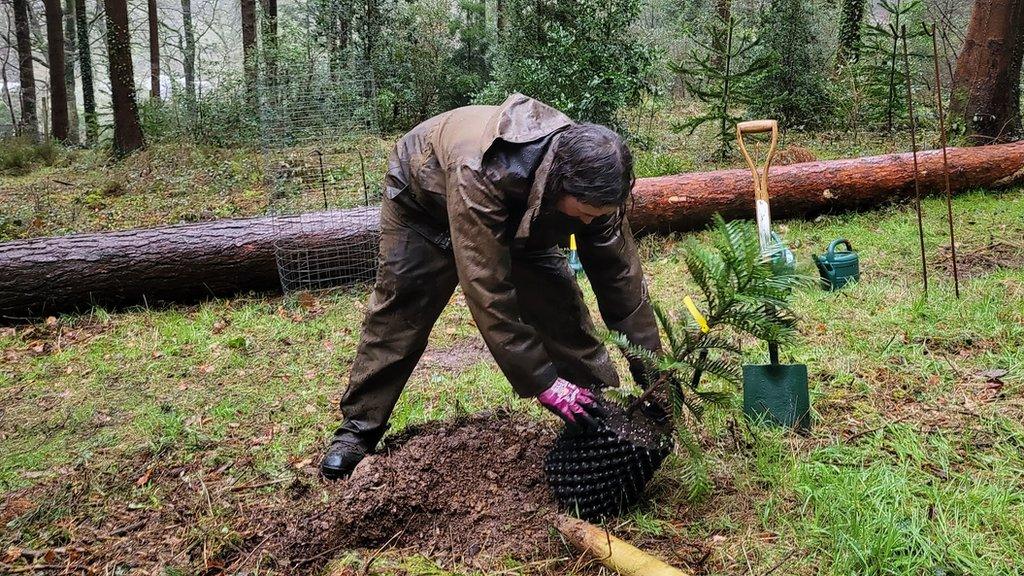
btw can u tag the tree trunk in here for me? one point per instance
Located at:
(154, 51)
(127, 130)
(70, 55)
(55, 49)
(29, 124)
(184, 263)
(852, 16)
(269, 32)
(85, 69)
(985, 95)
(249, 47)
(189, 56)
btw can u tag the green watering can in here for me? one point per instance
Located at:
(837, 269)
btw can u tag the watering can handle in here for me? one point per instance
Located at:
(835, 243)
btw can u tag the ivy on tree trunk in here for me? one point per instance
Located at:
(55, 51)
(85, 66)
(127, 129)
(29, 122)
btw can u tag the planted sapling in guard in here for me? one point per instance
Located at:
(602, 470)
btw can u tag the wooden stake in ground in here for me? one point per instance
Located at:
(917, 172)
(945, 161)
(615, 554)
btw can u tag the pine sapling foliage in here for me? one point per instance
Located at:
(740, 294)
(717, 73)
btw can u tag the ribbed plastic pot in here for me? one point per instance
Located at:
(602, 472)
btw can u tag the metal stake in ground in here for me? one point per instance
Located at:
(913, 143)
(945, 161)
(323, 180)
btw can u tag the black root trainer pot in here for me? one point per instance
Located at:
(602, 472)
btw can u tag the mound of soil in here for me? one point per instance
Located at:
(467, 492)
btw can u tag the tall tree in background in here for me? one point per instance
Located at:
(29, 124)
(127, 129)
(189, 57)
(985, 95)
(154, 50)
(792, 87)
(249, 59)
(70, 55)
(852, 16)
(268, 30)
(55, 51)
(85, 68)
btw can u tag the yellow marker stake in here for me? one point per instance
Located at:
(701, 320)
(572, 242)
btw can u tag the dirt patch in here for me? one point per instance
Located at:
(468, 493)
(793, 155)
(977, 261)
(456, 357)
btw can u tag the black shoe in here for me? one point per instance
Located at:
(342, 456)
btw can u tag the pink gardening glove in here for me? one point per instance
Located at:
(571, 403)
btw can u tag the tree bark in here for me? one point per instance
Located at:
(851, 18)
(85, 69)
(29, 124)
(154, 50)
(55, 50)
(268, 31)
(249, 46)
(189, 56)
(184, 263)
(70, 54)
(985, 95)
(127, 129)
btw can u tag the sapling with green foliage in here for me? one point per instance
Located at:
(741, 294)
(718, 73)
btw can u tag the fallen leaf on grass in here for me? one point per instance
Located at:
(993, 375)
(13, 554)
(205, 369)
(220, 325)
(302, 463)
(142, 480)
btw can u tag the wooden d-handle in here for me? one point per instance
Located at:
(757, 126)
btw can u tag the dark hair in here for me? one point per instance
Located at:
(592, 164)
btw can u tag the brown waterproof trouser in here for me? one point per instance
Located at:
(416, 280)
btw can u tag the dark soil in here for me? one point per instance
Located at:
(979, 260)
(469, 492)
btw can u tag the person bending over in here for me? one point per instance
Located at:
(483, 197)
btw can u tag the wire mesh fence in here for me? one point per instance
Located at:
(312, 121)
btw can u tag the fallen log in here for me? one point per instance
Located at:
(188, 262)
(174, 263)
(614, 553)
(687, 201)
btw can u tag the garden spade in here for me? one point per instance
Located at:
(774, 393)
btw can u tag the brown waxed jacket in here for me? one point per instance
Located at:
(473, 179)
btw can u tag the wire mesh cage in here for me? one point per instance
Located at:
(313, 123)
